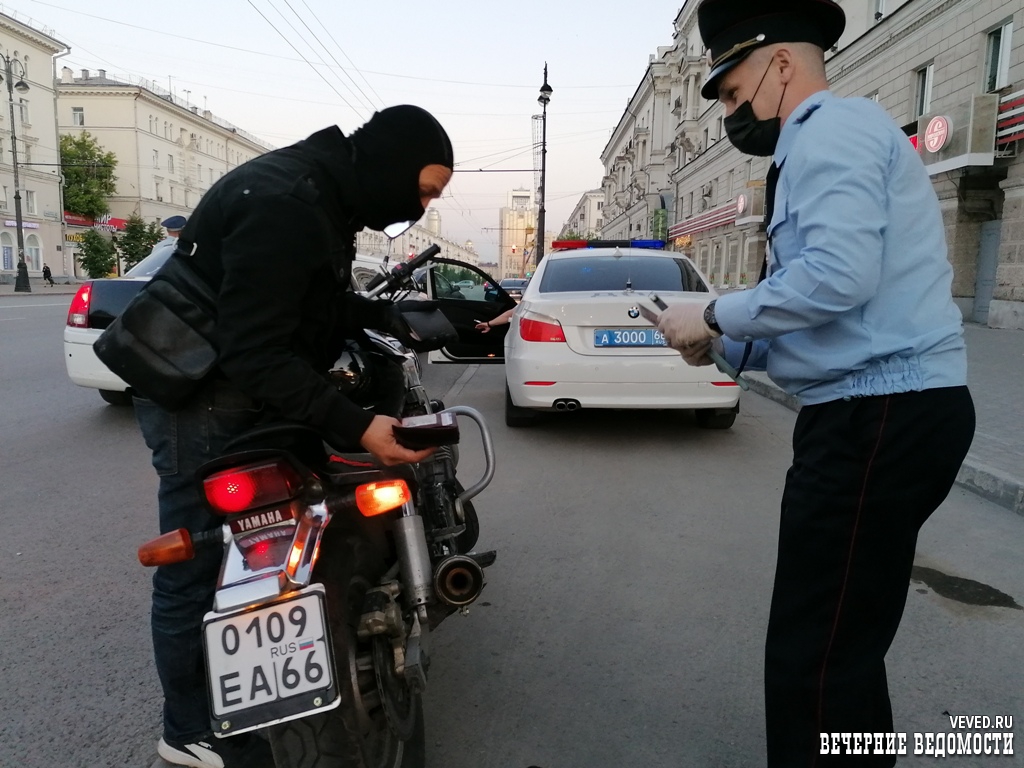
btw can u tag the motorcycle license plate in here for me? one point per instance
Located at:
(269, 664)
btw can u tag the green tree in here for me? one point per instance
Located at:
(136, 240)
(88, 174)
(97, 254)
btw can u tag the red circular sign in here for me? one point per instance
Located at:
(936, 134)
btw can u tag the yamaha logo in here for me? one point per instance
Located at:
(634, 312)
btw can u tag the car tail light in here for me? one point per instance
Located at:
(381, 496)
(173, 547)
(78, 312)
(531, 329)
(259, 485)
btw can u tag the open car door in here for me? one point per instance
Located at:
(466, 303)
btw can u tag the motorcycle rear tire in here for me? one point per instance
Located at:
(348, 566)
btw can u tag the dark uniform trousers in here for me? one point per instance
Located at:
(867, 472)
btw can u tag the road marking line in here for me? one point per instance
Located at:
(460, 383)
(23, 306)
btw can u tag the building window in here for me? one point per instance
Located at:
(78, 115)
(997, 66)
(600, 204)
(157, 192)
(156, 158)
(23, 108)
(167, 133)
(33, 253)
(170, 163)
(26, 153)
(3, 201)
(924, 89)
(30, 201)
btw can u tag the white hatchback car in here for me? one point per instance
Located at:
(578, 339)
(99, 301)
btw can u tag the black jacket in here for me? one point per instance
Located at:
(276, 239)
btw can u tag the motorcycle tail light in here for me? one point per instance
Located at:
(173, 547)
(259, 485)
(266, 550)
(78, 312)
(381, 496)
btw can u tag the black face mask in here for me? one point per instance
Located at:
(750, 135)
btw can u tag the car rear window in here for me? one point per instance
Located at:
(513, 283)
(149, 265)
(611, 273)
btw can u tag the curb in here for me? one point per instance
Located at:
(988, 482)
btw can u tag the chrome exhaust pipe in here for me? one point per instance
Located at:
(559, 405)
(458, 580)
(566, 404)
(571, 405)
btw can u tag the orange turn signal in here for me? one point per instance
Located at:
(382, 496)
(173, 547)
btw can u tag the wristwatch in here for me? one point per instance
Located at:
(709, 318)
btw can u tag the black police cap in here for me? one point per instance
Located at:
(731, 29)
(174, 222)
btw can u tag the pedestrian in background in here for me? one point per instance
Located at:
(47, 275)
(854, 317)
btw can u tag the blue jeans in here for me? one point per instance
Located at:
(182, 593)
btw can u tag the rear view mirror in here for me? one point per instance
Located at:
(399, 228)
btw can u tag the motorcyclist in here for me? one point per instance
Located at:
(275, 237)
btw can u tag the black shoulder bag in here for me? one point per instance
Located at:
(162, 344)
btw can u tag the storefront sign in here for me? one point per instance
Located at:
(936, 134)
(105, 222)
(75, 237)
(24, 224)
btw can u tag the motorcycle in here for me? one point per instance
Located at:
(336, 569)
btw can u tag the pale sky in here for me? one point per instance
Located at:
(477, 66)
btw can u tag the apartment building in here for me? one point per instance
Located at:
(587, 218)
(169, 152)
(30, 147)
(951, 73)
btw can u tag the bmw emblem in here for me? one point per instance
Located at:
(634, 312)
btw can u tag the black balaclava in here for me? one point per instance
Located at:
(389, 153)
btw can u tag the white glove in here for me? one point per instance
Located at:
(697, 354)
(683, 325)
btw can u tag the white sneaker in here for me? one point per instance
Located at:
(243, 751)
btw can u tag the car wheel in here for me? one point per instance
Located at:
(113, 397)
(516, 416)
(712, 419)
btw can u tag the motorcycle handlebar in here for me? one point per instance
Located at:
(401, 272)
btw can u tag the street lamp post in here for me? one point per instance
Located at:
(543, 99)
(21, 283)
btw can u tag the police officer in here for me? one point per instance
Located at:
(174, 225)
(856, 319)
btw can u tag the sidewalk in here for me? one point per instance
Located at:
(39, 286)
(994, 467)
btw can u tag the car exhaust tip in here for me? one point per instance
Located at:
(566, 404)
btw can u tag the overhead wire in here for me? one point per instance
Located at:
(368, 100)
(308, 62)
(342, 50)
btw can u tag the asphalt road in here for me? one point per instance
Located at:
(622, 624)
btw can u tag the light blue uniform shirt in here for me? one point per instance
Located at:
(858, 299)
